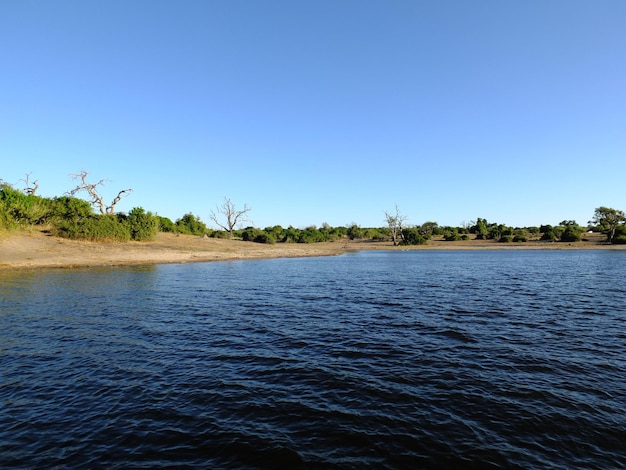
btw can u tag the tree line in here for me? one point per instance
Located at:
(96, 219)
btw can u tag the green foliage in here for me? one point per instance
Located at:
(250, 233)
(505, 239)
(191, 225)
(571, 233)
(428, 229)
(413, 236)
(143, 226)
(520, 238)
(21, 209)
(620, 235)
(608, 220)
(70, 208)
(107, 227)
(165, 224)
(451, 235)
(219, 234)
(354, 232)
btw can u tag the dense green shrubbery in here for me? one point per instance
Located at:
(69, 208)
(138, 225)
(571, 233)
(413, 236)
(191, 225)
(165, 224)
(252, 234)
(143, 225)
(22, 209)
(93, 228)
(74, 218)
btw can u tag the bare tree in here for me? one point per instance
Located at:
(30, 190)
(395, 223)
(96, 198)
(228, 217)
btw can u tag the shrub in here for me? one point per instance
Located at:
(571, 234)
(412, 236)
(94, 228)
(142, 225)
(506, 239)
(268, 238)
(191, 225)
(219, 234)
(23, 209)
(250, 233)
(70, 208)
(451, 236)
(520, 238)
(165, 224)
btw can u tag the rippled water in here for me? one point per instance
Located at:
(506, 359)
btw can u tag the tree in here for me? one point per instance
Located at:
(231, 216)
(608, 219)
(395, 222)
(96, 199)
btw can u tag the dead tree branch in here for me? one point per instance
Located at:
(95, 197)
(30, 190)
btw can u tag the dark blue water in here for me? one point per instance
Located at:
(507, 359)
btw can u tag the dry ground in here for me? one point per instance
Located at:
(36, 249)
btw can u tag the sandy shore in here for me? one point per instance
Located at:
(36, 249)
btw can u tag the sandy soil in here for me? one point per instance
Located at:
(36, 249)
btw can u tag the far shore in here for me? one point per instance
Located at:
(36, 249)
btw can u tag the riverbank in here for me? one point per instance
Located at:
(37, 249)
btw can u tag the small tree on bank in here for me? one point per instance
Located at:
(228, 217)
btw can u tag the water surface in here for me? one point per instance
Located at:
(447, 359)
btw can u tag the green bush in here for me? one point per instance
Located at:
(268, 238)
(191, 225)
(571, 234)
(520, 238)
(143, 226)
(94, 228)
(23, 209)
(506, 239)
(69, 208)
(250, 233)
(219, 234)
(451, 236)
(412, 236)
(165, 224)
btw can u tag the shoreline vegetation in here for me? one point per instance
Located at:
(65, 231)
(36, 248)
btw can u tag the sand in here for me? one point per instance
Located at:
(37, 249)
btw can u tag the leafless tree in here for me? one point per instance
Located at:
(96, 198)
(395, 223)
(30, 190)
(228, 217)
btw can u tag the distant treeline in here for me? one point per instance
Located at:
(74, 218)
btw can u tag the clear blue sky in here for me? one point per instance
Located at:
(322, 110)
